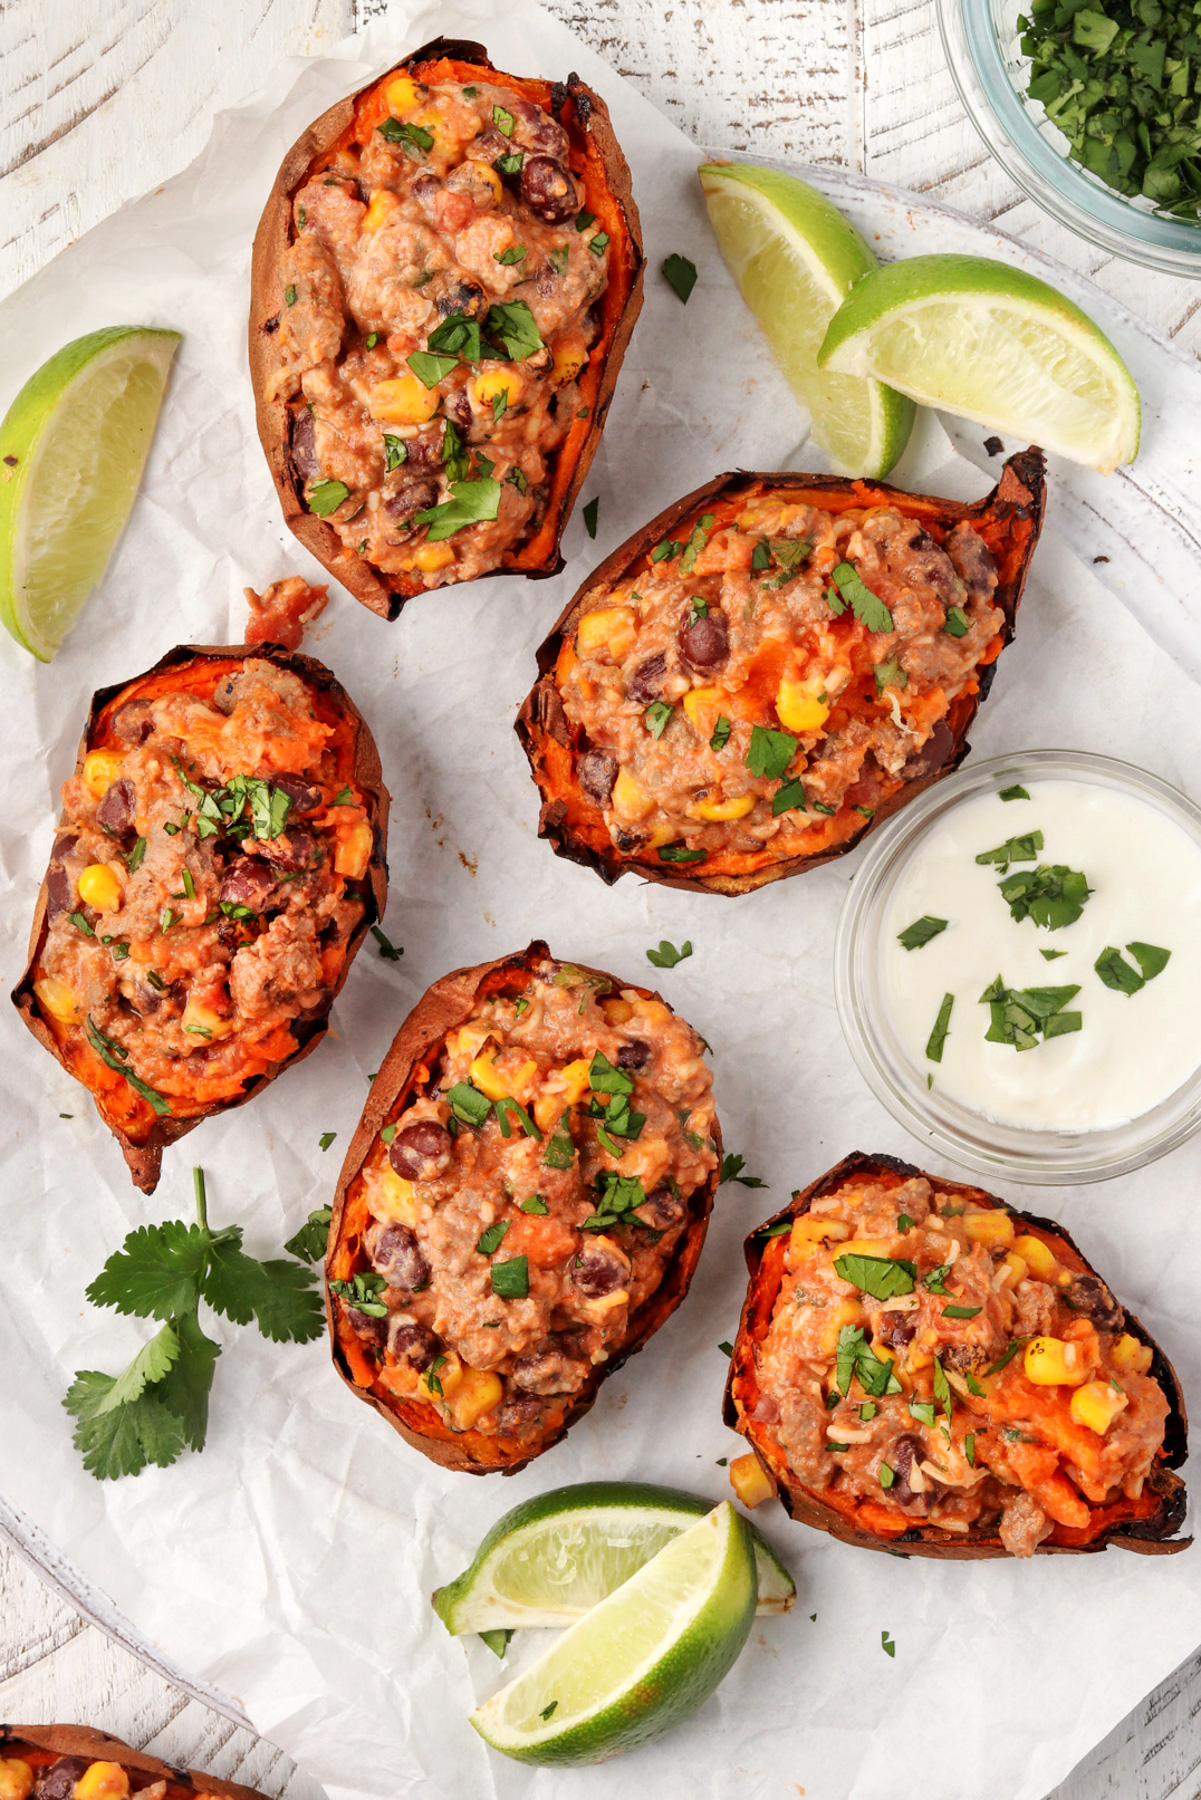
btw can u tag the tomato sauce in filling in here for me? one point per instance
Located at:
(759, 685)
(515, 1216)
(203, 887)
(439, 301)
(946, 1366)
(27, 1771)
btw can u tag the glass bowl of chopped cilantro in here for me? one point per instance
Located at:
(1092, 106)
(1017, 967)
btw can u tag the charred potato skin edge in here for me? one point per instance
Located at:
(101, 1746)
(384, 594)
(1149, 1536)
(144, 1157)
(447, 1003)
(1018, 501)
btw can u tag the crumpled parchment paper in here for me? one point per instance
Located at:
(291, 1563)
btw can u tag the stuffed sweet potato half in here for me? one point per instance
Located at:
(219, 860)
(445, 281)
(919, 1366)
(769, 669)
(76, 1762)
(522, 1206)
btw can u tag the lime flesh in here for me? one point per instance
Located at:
(642, 1660)
(551, 1559)
(795, 259)
(74, 443)
(994, 344)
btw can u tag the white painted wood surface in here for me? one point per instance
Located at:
(102, 99)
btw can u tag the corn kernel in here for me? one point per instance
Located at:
(596, 1310)
(204, 1024)
(1037, 1256)
(697, 703)
(433, 556)
(1018, 1264)
(617, 1012)
(867, 1247)
(394, 1198)
(611, 628)
(843, 1312)
(403, 96)
(100, 887)
(404, 401)
(750, 1480)
(1097, 1405)
(798, 707)
(16, 1778)
(353, 850)
(478, 1392)
(383, 204)
(102, 1781)
(1049, 1364)
(100, 769)
(720, 810)
(629, 800)
(485, 173)
(989, 1228)
(808, 1233)
(448, 1375)
(575, 1080)
(60, 1001)
(502, 1084)
(1130, 1356)
(548, 1110)
(487, 388)
(571, 355)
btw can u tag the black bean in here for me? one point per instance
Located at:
(597, 771)
(412, 1344)
(972, 559)
(490, 144)
(57, 1780)
(536, 130)
(115, 813)
(548, 189)
(704, 642)
(457, 408)
(60, 889)
(291, 850)
(251, 882)
(421, 1152)
(646, 683)
(412, 494)
(633, 1055)
(368, 1326)
(897, 1328)
(902, 1457)
(548, 1371)
(133, 722)
(302, 796)
(396, 1255)
(933, 753)
(663, 1208)
(1089, 1295)
(457, 294)
(304, 444)
(598, 1270)
(516, 1416)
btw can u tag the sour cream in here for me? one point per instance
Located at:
(1132, 1051)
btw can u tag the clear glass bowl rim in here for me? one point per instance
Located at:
(1008, 129)
(1032, 1157)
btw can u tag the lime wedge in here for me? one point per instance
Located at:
(550, 1560)
(992, 344)
(73, 445)
(795, 259)
(641, 1660)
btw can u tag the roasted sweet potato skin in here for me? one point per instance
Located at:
(40, 1745)
(442, 1007)
(1009, 520)
(598, 162)
(1150, 1531)
(142, 1136)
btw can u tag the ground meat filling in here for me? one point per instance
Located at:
(761, 685)
(939, 1360)
(524, 1208)
(438, 304)
(203, 889)
(31, 1774)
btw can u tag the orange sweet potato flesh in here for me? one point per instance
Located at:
(1008, 519)
(197, 668)
(1146, 1524)
(40, 1745)
(597, 161)
(405, 1068)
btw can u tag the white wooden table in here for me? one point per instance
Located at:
(102, 99)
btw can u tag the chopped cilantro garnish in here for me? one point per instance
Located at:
(667, 956)
(938, 1037)
(770, 752)
(679, 272)
(920, 932)
(657, 714)
(325, 497)
(849, 590)
(1016, 792)
(1014, 850)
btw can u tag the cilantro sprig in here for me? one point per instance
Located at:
(158, 1406)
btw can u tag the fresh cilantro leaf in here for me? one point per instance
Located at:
(507, 1105)
(324, 1141)
(467, 1104)
(1151, 959)
(770, 752)
(560, 1146)
(514, 254)
(473, 502)
(1050, 955)
(721, 734)
(1019, 1015)
(387, 949)
(936, 1042)
(1052, 895)
(889, 674)
(511, 1280)
(310, 1241)
(855, 1360)
(395, 452)
(186, 1387)
(1014, 850)
(325, 497)
(123, 1439)
(969, 1448)
(511, 323)
(726, 1349)
(133, 861)
(397, 133)
(116, 1057)
(1117, 973)
(497, 1639)
(888, 1643)
(957, 623)
(429, 368)
(679, 272)
(867, 607)
(920, 932)
(599, 244)
(1016, 792)
(1006, 1357)
(657, 715)
(680, 853)
(667, 956)
(923, 1411)
(731, 1170)
(489, 1240)
(960, 1312)
(589, 513)
(277, 1295)
(942, 1388)
(503, 120)
(156, 1273)
(883, 1277)
(535, 1204)
(457, 335)
(558, 258)
(362, 1292)
(904, 1223)
(698, 537)
(887, 1476)
(790, 796)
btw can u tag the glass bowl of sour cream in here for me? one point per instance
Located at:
(1018, 967)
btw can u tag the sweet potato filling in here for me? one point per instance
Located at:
(521, 1203)
(930, 1362)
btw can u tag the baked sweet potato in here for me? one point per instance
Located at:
(1039, 1417)
(445, 199)
(219, 861)
(494, 1253)
(54, 1762)
(769, 669)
